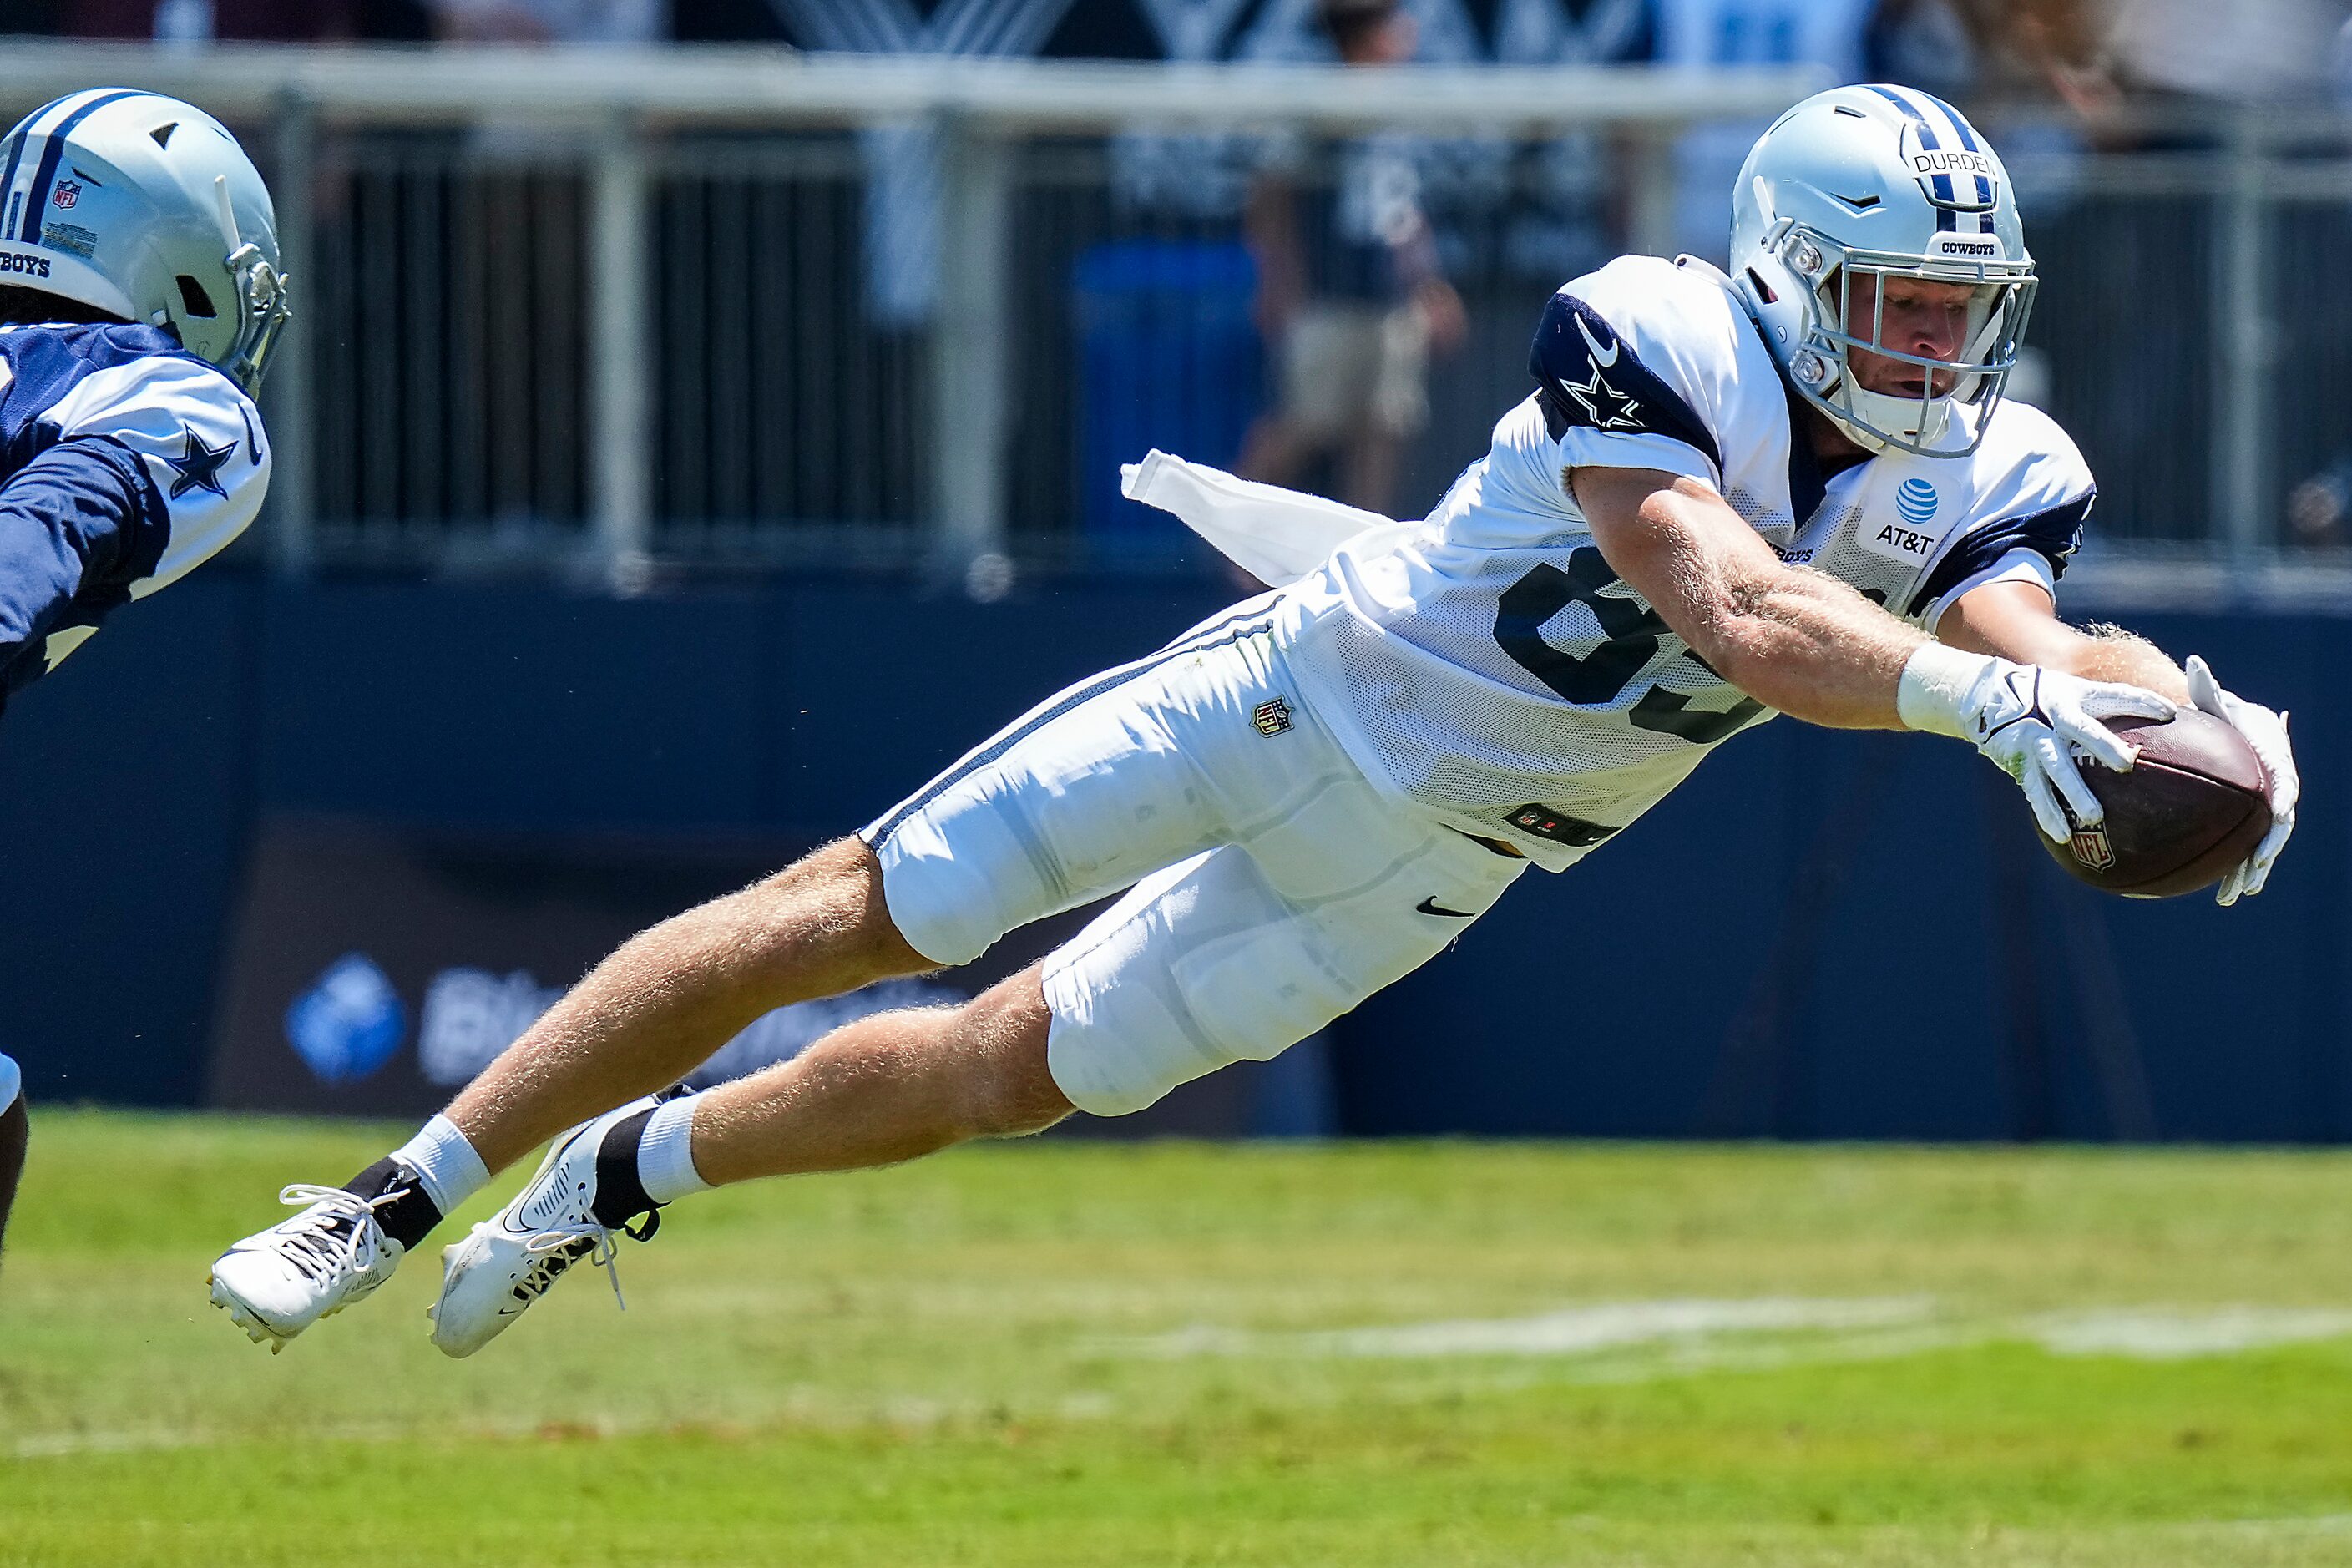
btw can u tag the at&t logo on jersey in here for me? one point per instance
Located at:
(1911, 540)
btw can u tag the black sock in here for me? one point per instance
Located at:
(408, 1218)
(620, 1190)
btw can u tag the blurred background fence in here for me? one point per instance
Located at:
(611, 311)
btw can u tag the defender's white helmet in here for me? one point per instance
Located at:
(146, 209)
(1856, 185)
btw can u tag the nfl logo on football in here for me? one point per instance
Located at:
(2091, 847)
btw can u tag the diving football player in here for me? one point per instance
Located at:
(1794, 488)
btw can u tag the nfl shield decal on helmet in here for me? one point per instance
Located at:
(2091, 847)
(68, 192)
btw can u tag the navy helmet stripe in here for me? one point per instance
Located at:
(1952, 118)
(20, 137)
(1968, 140)
(54, 153)
(1946, 220)
(8, 180)
(1942, 182)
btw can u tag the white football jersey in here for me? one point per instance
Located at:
(1490, 664)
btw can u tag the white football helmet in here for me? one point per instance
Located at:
(146, 209)
(1858, 185)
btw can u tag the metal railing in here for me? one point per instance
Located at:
(607, 308)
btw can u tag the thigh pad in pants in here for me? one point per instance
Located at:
(1247, 950)
(1139, 768)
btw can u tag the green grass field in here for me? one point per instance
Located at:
(1360, 1356)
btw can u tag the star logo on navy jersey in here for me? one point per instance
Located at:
(1605, 407)
(199, 465)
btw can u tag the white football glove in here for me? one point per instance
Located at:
(2030, 722)
(2265, 732)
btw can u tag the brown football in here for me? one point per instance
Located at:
(2193, 805)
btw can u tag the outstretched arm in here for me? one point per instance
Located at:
(1794, 639)
(2017, 620)
(1813, 648)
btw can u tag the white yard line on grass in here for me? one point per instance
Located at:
(2172, 1333)
(1637, 1340)
(1610, 1325)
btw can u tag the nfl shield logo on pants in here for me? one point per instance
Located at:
(1271, 718)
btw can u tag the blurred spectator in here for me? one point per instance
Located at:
(2093, 54)
(1351, 297)
(2318, 509)
(1824, 33)
(2246, 51)
(203, 21)
(1927, 44)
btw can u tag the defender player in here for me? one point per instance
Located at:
(138, 299)
(1796, 488)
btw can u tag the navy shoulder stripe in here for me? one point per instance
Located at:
(2055, 535)
(1587, 375)
(46, 362)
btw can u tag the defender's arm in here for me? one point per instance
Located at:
(70, 519)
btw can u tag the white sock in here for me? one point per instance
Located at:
(666, 1152)
(446, 1163)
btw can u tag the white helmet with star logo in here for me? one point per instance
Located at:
(1853, 187)
(146, 209)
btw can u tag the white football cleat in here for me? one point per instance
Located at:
(279, 1281)
(512, 1258)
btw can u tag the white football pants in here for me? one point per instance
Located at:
(1272, 888)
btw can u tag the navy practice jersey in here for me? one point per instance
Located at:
(1491, 665)
(125, 461)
